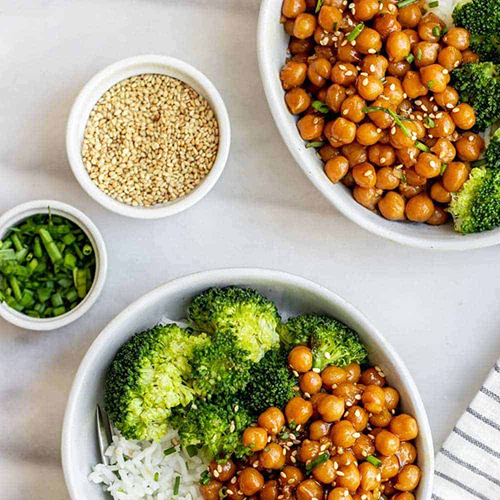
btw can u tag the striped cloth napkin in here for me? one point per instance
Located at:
(468, 464)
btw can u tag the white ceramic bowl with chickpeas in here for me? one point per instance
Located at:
(272, 52)
(140, 169)
(293, 295)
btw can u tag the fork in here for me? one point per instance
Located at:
(105, 433)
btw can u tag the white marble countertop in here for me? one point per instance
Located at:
(440, 310)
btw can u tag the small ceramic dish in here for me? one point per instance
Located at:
(110, 76)
(21, 212)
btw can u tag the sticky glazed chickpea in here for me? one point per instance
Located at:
(391, 398)
(335, 95)
(304, 26)
(413, 86)
(412, 36)
(428, 165)
(358, 417)
(352, 108)
(223, 472)
(355, 154)
(319, 429)
(292, 8)
(464, 116)
(293, 75)
(397, 46)
(369, 476)
(341, 131)
(390, 467)
(382, 155)
(409, 191)
(428, 30)
(255, 438)
(270, 490)
(450, 58)
(419, 208)
(385, 24)
(407, 454)
(272, 457)
(211, 490)
(353, 371)
(444, 150)
(398, 69)
(331, 408)
(435, 77)
(373, 398)
(251, 481)
(291, 475)
(438, 217)
(409, 16)
(298, 410)
(413, 179)
(329, 18)
(408, 478)
(344, 73)
(300, 359)
(447, 99)
(309, 490)
(310, 127)
(319, 71)
(425, 53)
(309, 450)
(372, 376)
(454, 176)
(469, 57)
(405, 427)
(348, 53)
(339, 494)
(408, 156)
(369, 87)
(386, 442)
(364, 10)
(374, 64)
(381, 419)
(459, 38)
(325, 473)
(368, 134)
(350, 478)
(368, 197)
(439, 193)
(297, 100)
(327, 152)
(444, 126)
(272, 420)
(365, 175)
(368, 41)
(343, 434)
(469, 146)
(310, 382)
(404, 496)
(393, 90)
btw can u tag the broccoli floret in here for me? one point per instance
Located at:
(250, 315)
(216, 425)
(482, 19)
(148, 377)
(478, 84)
(271, 383)
(332, 342)
(492, 153)
(476, 206)
(219, 365)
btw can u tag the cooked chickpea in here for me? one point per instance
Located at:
(350, 477)
(270, 490)
(382, 419)
(331, 408)
(409, 191)
(345, 457)
(329, 18)
(386, 442)
(469, 146)
(397, 46)
(358, 417)
(309, 450)
(375, 65)
(450, 58)
(369, 87)
(297, 100)
(409, 16)
(339, 494)
(398, 69)
(304, 26)
(327, 152)
(335, 95)
(385, 24)
(413, 36)
(368, 134)
(234, 492)
(413, 86)
(340, 131)
(300, 359)
(458, 38)
(211, 490)
(298, 410)
(319, 429)
(293, 75)
(310, 127)
(405, 427)
(425, 53)
(447, 99)
(225, 471)
(443, 125)
(391, 398)
(464, 116)
(297, 46)
(292, 8)
(291, 475)
(272, 456)
(426, 30)
(368, 197)
(372, 376)
(251, 481)
(408, 478)
(435, 77)
(419, 208)
(309, 490)
(454, 176)
(469, 57)
(368, 41)
(255, 438)
(364, 10)
(355, 153)
(310, 382)
(343, 434)
(272, 420)
(348, 54)
(407, 454)
(404, 496)
(365, 175)
(319, 72)
(401, 139)
(344, 73)
(408, 156)
(439, 193)
(363, 447)
(325, 473)
(428, 165)
(438, 217)
(373, 398)
(387, 179)
(413, 179)
(444, 150)
(353, 371)
(393, 90)
(389, 467)
(369, 476)
(382, 155)
(352, 108)
(333, 376)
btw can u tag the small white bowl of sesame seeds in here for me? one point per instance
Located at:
(148, 136)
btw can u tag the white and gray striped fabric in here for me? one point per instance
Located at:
(468, 464)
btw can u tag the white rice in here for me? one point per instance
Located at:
(141, 470)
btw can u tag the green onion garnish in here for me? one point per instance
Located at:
(430, 84)
(383, 80)
(192, 451)
(205, 477)
(292, 425)
(318, 6)
(169, 451)
(404, 3)
(355, 32)
(403, 178)
(429, 122)
(316, 144)
(410, 58)
(443, 168)
(319, 460)
(157, 476)
(177, 484)
(436, 31)
(433, 4)
(395, 117)
(374, 460)
(421, 146)
(320, 106)
(419, 54)
(223, 492)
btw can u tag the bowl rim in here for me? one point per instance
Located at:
(205, 278)
(275, 99)
(117, 72)
(19, 213)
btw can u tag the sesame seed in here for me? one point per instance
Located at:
(307, 395)
(372, 51)
(282, 474)
(445, 71)
(316, 370)
(455, 110)
(327, 355)
(393, 130)
(345, 112)
(356, 435)
(449, 105)
(349, 73)
(424, 107)
(470, 138)
(366, 81)
(392, 86)
(418, 102)
(372, 67)
(216, 472)
(432, 163)
(379, 130)
(340, 473)
(296, 373)
(382, 160)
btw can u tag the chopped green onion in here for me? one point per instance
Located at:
(169, 451)
(157, 476)
(223, 492)
(403, 178)
(394, 116)
(316, 144)
(383, 80)
(70, 261)
(318, 6)
(50, 245)
(177, 484)
(192, 451)
(404, 3)
(69, 239)
(436, 31)
(17, 242)
(59, 310)
(433, 4)
(374, 460)
(419, 54)
(443, 168)
(16, 289)
(429, 122)
(421, 146)
(355, 32)
(205, 477)
(7, 254)
(320, 106)
(87, 250)
(410, 58)
(37, 248)
(72, 295)
(319, 460)
(292, 425)
(57, 300)
(430, 84)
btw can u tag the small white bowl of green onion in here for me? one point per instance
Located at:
(53, 265)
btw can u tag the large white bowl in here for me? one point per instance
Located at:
(110, 76)
(293, 295)
(271, 49)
